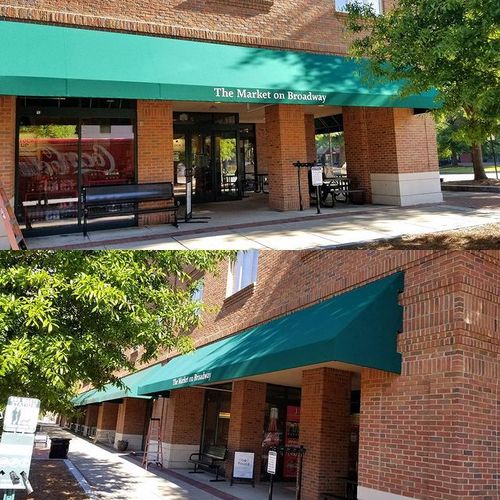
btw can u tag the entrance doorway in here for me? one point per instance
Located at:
(209, 143)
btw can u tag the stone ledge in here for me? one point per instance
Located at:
(446, 186)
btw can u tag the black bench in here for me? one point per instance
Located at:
(126, 194)
(342, 190)
(212, 459)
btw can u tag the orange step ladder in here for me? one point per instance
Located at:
(8, 218)
(153, 454)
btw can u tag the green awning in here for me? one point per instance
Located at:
(111, 392)
(42, 60)
(358, 327)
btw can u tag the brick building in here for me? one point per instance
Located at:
(92, 93)
(383, 365)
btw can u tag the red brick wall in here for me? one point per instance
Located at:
(154, 148)
(325, 429)
(388, 140)
(91, 414)
(184, 416)
(248, 402)
(310, 137)
(131, 416)
(107, 415)
(297, 24)
(429, 432)
(7, 143)
(416, 141)
(286, 144)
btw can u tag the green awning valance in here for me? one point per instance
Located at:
(42, 60)
(358, 327)
(110, 392)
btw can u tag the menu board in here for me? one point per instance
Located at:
(291, 439)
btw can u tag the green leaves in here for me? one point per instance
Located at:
(452, 46)
(68, 318)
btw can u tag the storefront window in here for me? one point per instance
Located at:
(48, 173)
(107, 152)
(216, 417)
(282, 428)
(65, 144)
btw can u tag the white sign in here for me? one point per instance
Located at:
(21, 414)
(317, 175)
(263, 95)
(14, 461)
(272, 459)
(243, 465)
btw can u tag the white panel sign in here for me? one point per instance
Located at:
(243, 465)
(272, 459)
(317, 175)
(15, 460)
(21, 414)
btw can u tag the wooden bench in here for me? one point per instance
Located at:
(126, 194)
(212, 459)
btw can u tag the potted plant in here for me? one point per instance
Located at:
(121, 445)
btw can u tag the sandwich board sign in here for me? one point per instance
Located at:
(21, 415)
(243, 467)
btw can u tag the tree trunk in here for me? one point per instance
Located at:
(477, 162)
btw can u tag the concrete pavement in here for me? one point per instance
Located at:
(263, 229)
(116, 476)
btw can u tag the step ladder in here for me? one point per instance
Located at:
(9, 221)
(153, 454)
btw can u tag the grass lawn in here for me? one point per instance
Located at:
(465, 170)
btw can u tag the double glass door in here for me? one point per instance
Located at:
(214, 158)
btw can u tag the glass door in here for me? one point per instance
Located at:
(48, 183)
(226, 165)
(203, 171)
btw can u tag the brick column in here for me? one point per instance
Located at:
(130, 422)
(182, 425)
(246, 427)
(286, 144)
(7, 143)
(392, 154)
(106, 422)
(91, 415)
(430, 433)
(325, 430)
(155, 134)
(310, 137)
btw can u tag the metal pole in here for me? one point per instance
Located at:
(271, 487)
(318, 194)
(298, 491)
(298, 164)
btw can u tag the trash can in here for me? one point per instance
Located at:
(59, 447)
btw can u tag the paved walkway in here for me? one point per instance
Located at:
(249, 224)
(112, 475)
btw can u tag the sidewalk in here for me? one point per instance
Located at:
(117, 476)
(293, 231)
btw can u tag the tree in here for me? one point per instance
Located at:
(449, 146)
(452, 46)
(68, 318)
